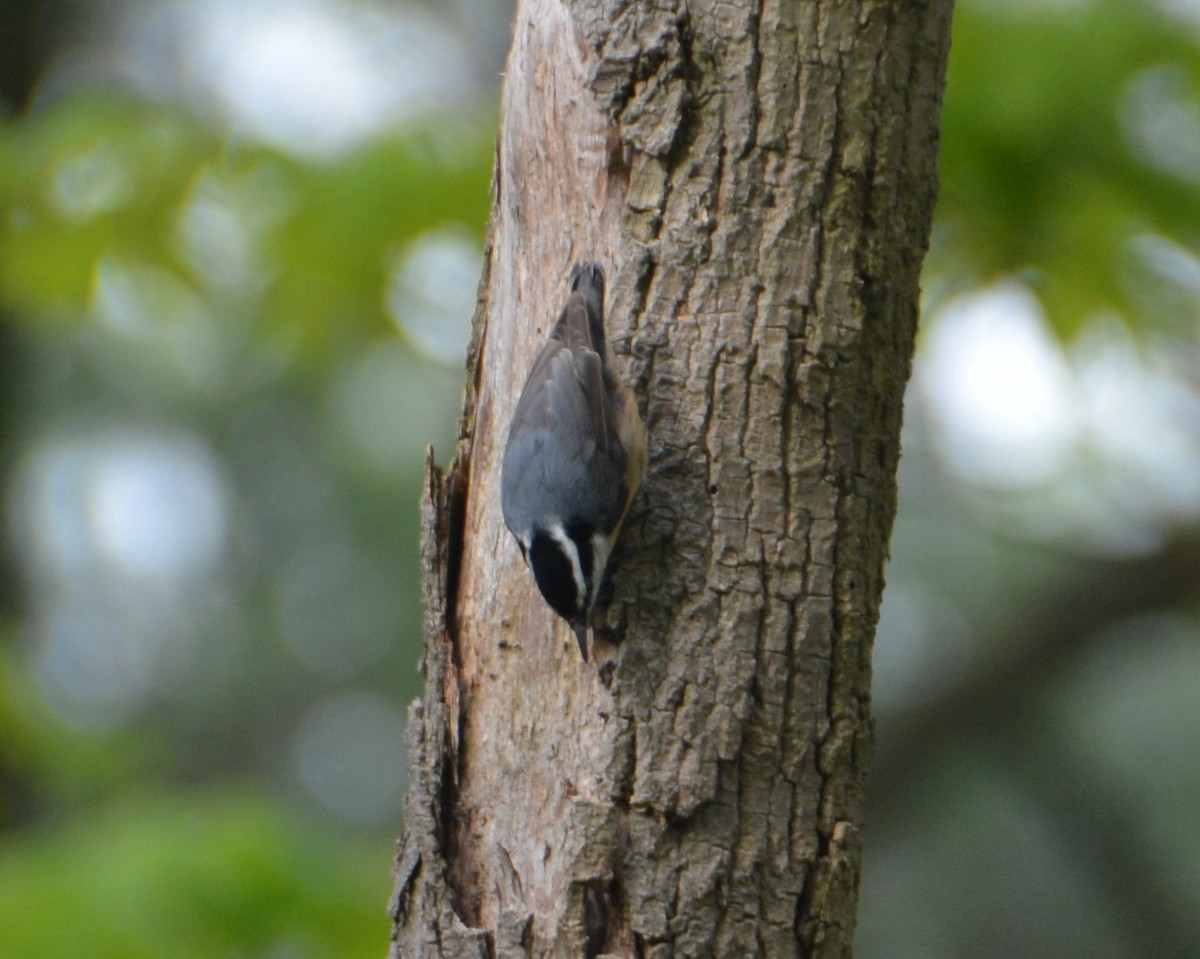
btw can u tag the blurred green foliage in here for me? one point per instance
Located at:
(1039, 176)
(94, 178)
(159, 278)
(136, 240)
(59, 768)
(1070, 168)
(203, 873)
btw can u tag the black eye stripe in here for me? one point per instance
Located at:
(554, 574)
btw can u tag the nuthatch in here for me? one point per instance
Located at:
(575, 457)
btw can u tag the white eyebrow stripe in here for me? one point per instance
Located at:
(559, 535)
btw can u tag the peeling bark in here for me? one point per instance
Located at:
(758, 179)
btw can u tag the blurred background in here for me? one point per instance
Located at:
(239, 245)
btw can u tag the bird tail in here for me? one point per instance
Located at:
(587, 279)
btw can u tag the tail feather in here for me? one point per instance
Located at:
(587, 279)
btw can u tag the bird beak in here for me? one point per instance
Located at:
(581, 628)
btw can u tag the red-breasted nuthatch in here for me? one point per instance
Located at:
(575, 457)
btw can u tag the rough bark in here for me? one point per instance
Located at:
(758, 177)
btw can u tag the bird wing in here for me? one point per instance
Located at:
(588, 370)
(564, 407)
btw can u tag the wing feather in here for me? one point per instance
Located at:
(564, 407)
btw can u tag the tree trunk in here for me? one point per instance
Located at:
(758, 181)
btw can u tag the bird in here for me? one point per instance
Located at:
(574, 459)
